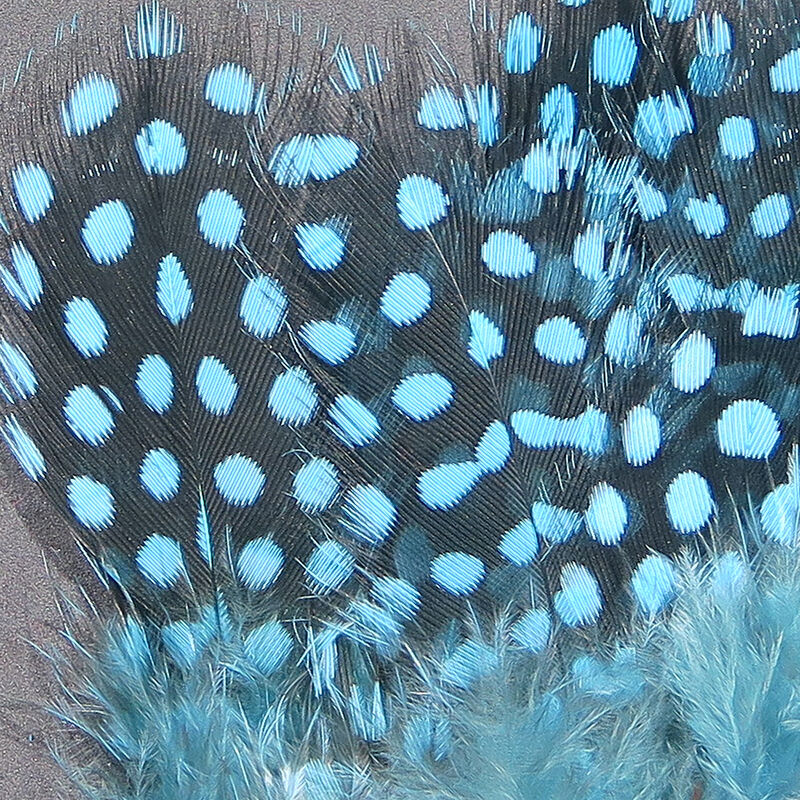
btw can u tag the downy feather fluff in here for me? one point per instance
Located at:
(435, 433)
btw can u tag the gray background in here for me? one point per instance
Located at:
(36, 552)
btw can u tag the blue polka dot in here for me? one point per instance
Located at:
(220, 219)
(690, 504)
(468, 662)
(457, 573)
(708, 217)
(523, 44)
(259, 563)
(91, 502)
(607, 516)
(781, 509)
(216, 386)
(486, 340)
(85, 327)
(155, 384)
(333, 342)
(772, 312)
(315, 485)
(293, 397)
(641, 436)
(161, 148)
(33, 191)
(107, 232)
(421, 202)
(560, 340)
(555, 524)
(263, 306)
(748, 429)
(494, 447)
(589, 431)
(368, 514)
(440, 110)
(160, 474)
(623, 340)
(160, 560)
(25, 285)
(24, 449)
(319, 157)
(508, 255)
(353, 422)
(322, 247)
(660, 121)
(446, 485)
(88, 415)
(329, 567)
(737, 138)
(423, 395)
(654, 584)
(771, 216)
(614, 55)
(397, 596)
(406, 299)
(239, 480)
(520, 545)
(18, 373)
(229, 87)
(558, 114)
(693, 362)
(784, 74)
(532, 631)
(174, 295)
(158, 33)
(92, 102)
(268, 646)
(579, 601)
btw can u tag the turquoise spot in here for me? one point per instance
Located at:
(560, 340)
(155, 384)
(268, 646)
(520, 545)
(216, 386)
(160, 560)
(293, 397)
(322, 247)
(457, 573)
(259, 564)
(588, 432)
(508, 255)
(579, 601)
(771, 216)
(660, 121)
(160, 474)
(641, 436)
(174, 295)
(555, 524)
(440, 110)
(353, 422)
(319, 157)
(315, 485)
(523, 44)
(421, 396)
(368, 514)
(690, 504)
(329, 567)
(614, 55)
(85, 327)
(623, 340)
(737, 137)
(25, 285)
(654, 584)
(161, 148)
(558, 114)
(397, 596)
(784, 74)
(107, 232)
(709, 217)
(446, 485)
(220, 219)
(532, 631)
(24, 449)
(693, 362)
(494, 447)
(486, 340)
(92, 102)
(91, 502)
(333, 342)
(18, 372)
(607, 516)
(421, 202)
(406, 299)
(263, 306)
(88, 416)
(469, 662)
(229, 87)
(239, 480)
(772, 312)
(748, 429)
(33, 191)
